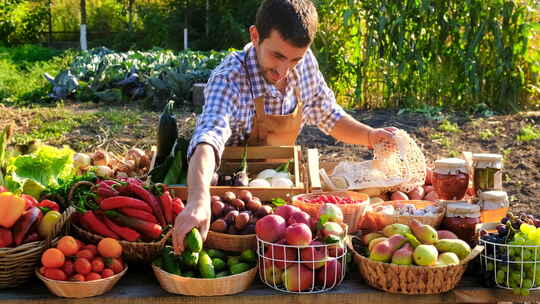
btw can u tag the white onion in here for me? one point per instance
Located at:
(282, 175)
(266, 174)
(259, 183)
(104, 171)
(81, 160)
(281, 182)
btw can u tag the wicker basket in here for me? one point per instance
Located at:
(375, 221)
(352, 213)
(205, 287)
(69, 289)
(17, 264)
(230, 242)
(132, 251)
(411, 279)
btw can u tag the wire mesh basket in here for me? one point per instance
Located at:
(515, 267)
(302, 269)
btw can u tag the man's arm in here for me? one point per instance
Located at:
(351, 131)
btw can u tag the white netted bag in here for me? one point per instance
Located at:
(394, 167)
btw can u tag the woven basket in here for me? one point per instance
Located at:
(205, 287)
(17, 264)
(230, 242)
(352, 213)
(132, 251)
(69, 289)
(375, 221)
(411, 279)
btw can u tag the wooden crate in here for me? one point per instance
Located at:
(259, 158)
(314, 184)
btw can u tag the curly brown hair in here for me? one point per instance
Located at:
(295, 20)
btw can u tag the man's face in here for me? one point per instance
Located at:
(276, 56)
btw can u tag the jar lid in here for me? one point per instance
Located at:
(462, 209)
(488, 157)
(493, 199)
(451, 164)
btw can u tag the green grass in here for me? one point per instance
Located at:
(447, 126)
(485, 134)
(528, 133)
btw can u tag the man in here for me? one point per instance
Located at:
(263, 96)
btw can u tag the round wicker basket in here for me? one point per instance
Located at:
(230, 242)
(69, 289)
(352, 213)
(17, 264)
(411, 279)
(374, 220)
(132, 251)
(205, 287)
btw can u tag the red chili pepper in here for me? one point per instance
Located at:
(148, 197)
(166, 205)
(144, 227)
(126, 233)
(177, 206)
(105, 189)
(24, 223)
(140, 214)
(124, 202)
(30, 201)
(91, 221)
(49, 205)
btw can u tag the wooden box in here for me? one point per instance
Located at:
(259, 158)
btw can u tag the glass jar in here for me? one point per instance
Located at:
(461, 218)
(450, 178)
(487, 174)
(493, 206)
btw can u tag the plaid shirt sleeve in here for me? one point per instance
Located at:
(321, 109)
(213, 125)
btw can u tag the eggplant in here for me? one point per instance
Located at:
(167, 133)
(240, 177)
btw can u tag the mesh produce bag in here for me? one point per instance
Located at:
(400, 166)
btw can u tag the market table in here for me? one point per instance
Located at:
(140, 286)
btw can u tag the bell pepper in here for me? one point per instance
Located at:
(47, 205)
(30, 201)
(6, 237)
(11, 208)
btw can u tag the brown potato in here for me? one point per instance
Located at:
(238, 204)
(231, 217)
(219, 225)
(264, 210)
(217, 208)
(229, 196)
(253, 205)
(241, 220)
(245, 195)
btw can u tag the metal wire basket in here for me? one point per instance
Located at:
(295, 269)
(512, 266)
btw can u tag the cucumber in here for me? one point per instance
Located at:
(248, 256)
(194, 240)
(215, 253)
(233, 260)
(190, 259)
(169, 261)
(223, 273)
(219, 264)
(206, 268)
(239, 268)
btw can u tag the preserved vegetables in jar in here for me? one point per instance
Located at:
(461, 218)
(450, 178)
(487, 173)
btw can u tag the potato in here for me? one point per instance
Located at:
(241, 220)
(431, 196)
(417, 193)
(245, 195)
(230, 218)
(229, 196)
(253, 205)
(429, 176)
(219, 225)
(263, 211)
(217, 208)
(238, 204)
(399, 196)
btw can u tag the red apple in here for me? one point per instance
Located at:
(298, 278)
(330, 274)
(276, 255)
(270, 228)
(314, 255)
(299, 217)
(298, 234)
(272, 275)
(331, 212)
(285, 211)
(332, 229)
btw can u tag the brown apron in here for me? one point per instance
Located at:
(275, 130)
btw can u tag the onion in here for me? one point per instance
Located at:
(266, 174)
(282, 175)
(81, 160)
(281, 182)
(104, 171)
(136, 155)
(100, 158)
(259, 183)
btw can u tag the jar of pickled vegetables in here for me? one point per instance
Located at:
(461, 218)
(493, 206)
(450, 178)
(487, 174)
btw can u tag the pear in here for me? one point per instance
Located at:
(447, 258)
(396, 228)
(459, 247)
(403, 256)
(424, 233)
(375, 241)
(368, 237)
(425, 255)
(383, 251)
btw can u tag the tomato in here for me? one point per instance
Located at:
(48, 222)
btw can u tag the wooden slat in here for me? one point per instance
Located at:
(265, 194)
(314, 183)
(262, 152)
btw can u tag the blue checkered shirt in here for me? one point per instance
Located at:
(229, 109)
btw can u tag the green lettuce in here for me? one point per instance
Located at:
(33, 173)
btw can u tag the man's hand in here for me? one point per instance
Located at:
(196, 214)
(379, 135)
